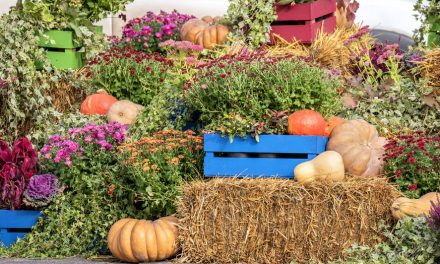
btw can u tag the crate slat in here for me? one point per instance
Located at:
(11, 220)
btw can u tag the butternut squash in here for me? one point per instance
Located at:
(326, 166)
(404, 207)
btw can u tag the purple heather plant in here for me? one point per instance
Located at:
(433, 218)
(41, 190)
(145, 33)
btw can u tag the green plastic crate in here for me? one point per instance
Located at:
(68, 59)
(58, 39)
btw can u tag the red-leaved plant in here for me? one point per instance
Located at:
(17, 165)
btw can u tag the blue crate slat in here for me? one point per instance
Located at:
(266, 144)
(18, 218)
(280, 166)
(7, 239)
(250, 167)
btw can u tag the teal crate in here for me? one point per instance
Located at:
(273, 156)
(16, 224)
(58, 39)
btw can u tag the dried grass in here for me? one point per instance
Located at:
(274, 221)
(328, 50)
(430, 69)
(65, 93)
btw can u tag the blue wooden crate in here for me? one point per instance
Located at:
(273, 156)
(16, 224)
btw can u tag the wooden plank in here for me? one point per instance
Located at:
(266, 144)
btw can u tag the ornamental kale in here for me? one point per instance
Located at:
(41, 190)
(17, 166)
(147, 32)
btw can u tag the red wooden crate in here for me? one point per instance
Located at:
(302, 22)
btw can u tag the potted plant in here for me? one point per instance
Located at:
(69, 23)
(21, 188)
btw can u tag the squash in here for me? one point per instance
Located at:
(133, 240)
(404, 207)
(326, 166)
(205, 32)
(331, 124)
(360, 146)
(124, 112)
(306, 123)
(97, 104)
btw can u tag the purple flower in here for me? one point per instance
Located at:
(434, 216)
(41, 190)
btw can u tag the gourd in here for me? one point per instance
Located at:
(97, 104)
(360, 146)
(124, 112)
(326, 166)
(306, 123)
(205, 32)
(331, 124)
(133, 240)
(404, 207)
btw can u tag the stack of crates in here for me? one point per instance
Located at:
(61, 49)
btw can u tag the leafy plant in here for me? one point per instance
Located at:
(428, 13)
(412, 161)
(434, 217)
(145, 33)
(235, 93)
(393, 107)
(158, 165)
(129, 74)
(17, 165)
(412, 241)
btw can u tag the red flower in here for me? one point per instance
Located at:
(412, 160)
(412, 187)
(132, 71)
(398, 173)
(223, 75)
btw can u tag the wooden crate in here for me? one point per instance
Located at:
(302, 22)
(272, 156)
(16, 224)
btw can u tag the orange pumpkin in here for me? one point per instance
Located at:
(306, 123)
(204, 32)
(97, 104)
(133, 240)
(331, 124)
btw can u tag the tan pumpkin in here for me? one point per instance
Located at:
(205, 32)
(124, 112)
(326, 166)
(133, 240)
(404, 207)
(360, 146)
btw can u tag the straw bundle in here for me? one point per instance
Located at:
(277, 221)
(430, 69)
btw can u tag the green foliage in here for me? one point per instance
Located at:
(241, 94)
(23, 104)
(412, 161)
(411, 242)
(129, 74)
(251, 20)
(156, 167)
(428, 13)
(394, 107)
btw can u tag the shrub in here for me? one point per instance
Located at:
(411, 242)
(17, 165)
(235, 94)
(145, 33)
(129, 74)
(157, 165)
(413, 162)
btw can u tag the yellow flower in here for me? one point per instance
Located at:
(145, 168)
(175, 161)
(181, 156)
(154, 167)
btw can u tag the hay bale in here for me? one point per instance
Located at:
(277, 221)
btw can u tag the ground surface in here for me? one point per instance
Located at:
(65, 261)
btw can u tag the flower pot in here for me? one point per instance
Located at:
(301, 22)
(16, 224)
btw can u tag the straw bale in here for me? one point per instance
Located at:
(430, 69)
(277, 221)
